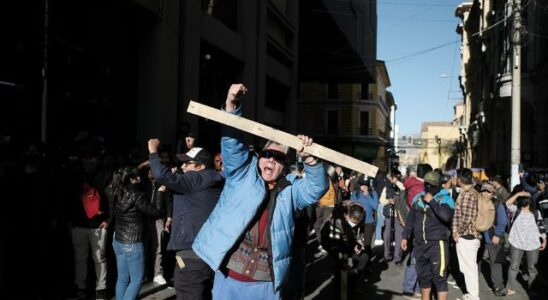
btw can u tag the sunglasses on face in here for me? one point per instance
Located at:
(278, 156)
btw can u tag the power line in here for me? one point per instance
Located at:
(395, 3)
(450, 81)
(420, 52)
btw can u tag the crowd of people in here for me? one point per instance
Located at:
(443, 225)
(235, 225)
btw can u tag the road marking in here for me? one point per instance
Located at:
(315, 261)
(319, 289)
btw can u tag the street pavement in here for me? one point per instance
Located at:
(384, 281)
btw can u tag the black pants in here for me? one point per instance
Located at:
(432, 261)
(194, 281)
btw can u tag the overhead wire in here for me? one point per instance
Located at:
(450, 81)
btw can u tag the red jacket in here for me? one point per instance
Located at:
(413, 186)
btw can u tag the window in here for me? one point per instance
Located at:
(332, 91)
(364, 123)
(332, 122)
(365, 92)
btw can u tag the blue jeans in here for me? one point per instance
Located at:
(226, 288)
(131, 264)
(380, 222)
(410, 282)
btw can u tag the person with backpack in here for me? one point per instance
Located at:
(89, 220)
(465, 234)
(526, 232)
(494, 239)
(428, 221)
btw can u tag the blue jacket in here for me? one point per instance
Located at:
(195, 194)
(243, 193)
(500, 224)
(429, 221)
(370, 204)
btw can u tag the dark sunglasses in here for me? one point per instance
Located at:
(278, 156)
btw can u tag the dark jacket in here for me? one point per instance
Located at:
(429, 221)
(195, 194)
(128, 215)
(340, 238)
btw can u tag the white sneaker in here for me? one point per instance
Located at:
(379, 242)
(159, 279)
(464, 297)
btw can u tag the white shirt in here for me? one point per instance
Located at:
(524, 234)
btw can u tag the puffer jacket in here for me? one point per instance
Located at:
(429, 221)
(128, 215)
(243, 193)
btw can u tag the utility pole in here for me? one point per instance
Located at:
(44, 131)
(438, 141)
(515, 152)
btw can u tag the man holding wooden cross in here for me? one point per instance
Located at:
(247, 238)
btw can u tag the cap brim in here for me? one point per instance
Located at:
(183, 157)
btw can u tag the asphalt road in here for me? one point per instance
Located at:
(384, 280)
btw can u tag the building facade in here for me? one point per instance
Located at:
(343, 100)
(486, 80)
(353, 118)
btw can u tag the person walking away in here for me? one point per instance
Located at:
(195, 194)
(465, 235)
(129, 205)
(395, 217)
(247, 238)
(89, 221)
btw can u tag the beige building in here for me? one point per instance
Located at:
(353, 118)
(486, 81)
(441, 142)
(438, 143)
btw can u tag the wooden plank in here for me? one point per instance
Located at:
(281, 137)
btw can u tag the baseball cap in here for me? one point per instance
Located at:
(445, 178)
(433, 178)
(488, 187)
(196, 154)
(363, 181)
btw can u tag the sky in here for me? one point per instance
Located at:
(425, 86)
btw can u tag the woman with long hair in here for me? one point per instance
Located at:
(129, 205)
(527, 237)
